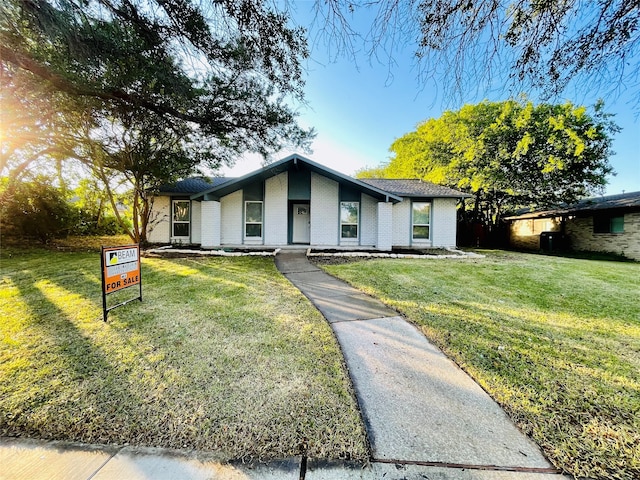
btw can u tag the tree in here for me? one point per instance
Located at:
(36, 122)
(225, 68)
(510, 154)
(468, 44)
(218, 78)
(147, 151)
(92, 201)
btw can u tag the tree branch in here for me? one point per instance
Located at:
(62, 84)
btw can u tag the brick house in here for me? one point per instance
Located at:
(297, 201)
(600, 224)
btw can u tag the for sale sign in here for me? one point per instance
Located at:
(120, 269)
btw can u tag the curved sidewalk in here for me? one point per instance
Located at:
(421, 411)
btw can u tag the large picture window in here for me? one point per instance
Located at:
(181, 218)
(349, 213)
(253, 219)
(421, 220)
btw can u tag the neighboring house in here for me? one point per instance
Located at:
(298, 201)
(599, 224)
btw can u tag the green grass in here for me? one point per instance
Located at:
(223, 355)
(555, 341)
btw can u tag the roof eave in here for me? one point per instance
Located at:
(283, 165)
(432, 195)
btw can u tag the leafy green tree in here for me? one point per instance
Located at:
(95, 217)
(224, 66)
(201, 82)
(36, 123)
(509, 154)
(146, 152)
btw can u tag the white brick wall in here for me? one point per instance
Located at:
(210, 236)
(324, 211)
(159, 228)
(385, 226)
(195, 222)
(368, 220)
(231, 219)
(276, 206)
(443, 222)
(402, 223)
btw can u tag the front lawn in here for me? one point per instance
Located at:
(223, 355)
(555, 341)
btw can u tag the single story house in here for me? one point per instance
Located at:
(600, 224)
(296, 201)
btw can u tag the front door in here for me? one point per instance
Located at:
(301, 223)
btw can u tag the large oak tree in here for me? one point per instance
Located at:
(179, 81)
(509, 154)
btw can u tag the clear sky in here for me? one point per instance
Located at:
(359, 108)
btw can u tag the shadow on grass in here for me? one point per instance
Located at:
(217, 357)
(71, 390)
(83, 379)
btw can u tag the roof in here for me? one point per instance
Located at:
(192, 185)
(388, 190)
(414, 188)
(294, 161)
(622, 201)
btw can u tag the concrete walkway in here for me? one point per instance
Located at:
(420, 410)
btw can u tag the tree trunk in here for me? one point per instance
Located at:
(100, 171)
(476, 206)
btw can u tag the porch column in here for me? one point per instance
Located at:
(210, 224)
(385, 226)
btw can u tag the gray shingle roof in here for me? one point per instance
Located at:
(621, 200)
(192, 185)
(413, 188)
(396, 187)
(629, 200)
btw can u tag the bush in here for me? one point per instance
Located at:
(37, 210)
(87, 224)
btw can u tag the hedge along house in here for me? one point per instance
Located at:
(296, 201)
(600, 224)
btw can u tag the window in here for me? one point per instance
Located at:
(253, 219)
(349, 212)
(181, 218)
(608, 224)
(421, 220)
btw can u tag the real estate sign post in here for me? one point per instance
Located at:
(120, 269)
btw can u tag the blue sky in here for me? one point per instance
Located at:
(358, 108)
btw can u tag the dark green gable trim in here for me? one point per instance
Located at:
(253, 192)
(349, 194)
(299, 184)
